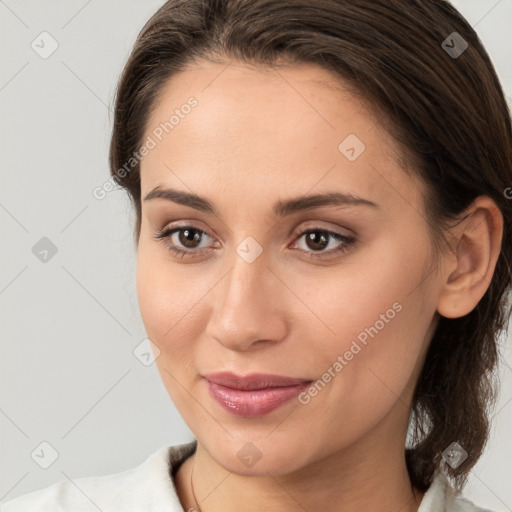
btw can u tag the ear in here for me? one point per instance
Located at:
(470, 267)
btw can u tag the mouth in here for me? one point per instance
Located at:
(253, 395)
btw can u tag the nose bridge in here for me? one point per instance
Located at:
(244, 287)
(245, 306)
(244, 281)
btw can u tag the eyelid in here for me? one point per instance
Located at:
(346, 240)
(319, 226)
(316, 225)
(189, 223)
(344, 243)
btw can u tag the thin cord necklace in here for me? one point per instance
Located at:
(192, 487)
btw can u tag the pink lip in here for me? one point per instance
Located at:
(253, 395)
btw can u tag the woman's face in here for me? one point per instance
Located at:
(253, 294)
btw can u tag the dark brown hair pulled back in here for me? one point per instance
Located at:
(449, 116)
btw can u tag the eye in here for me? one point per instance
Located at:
(185, 241)
(187, 236)
(319, 239)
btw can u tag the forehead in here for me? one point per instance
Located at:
(280, 93)
(285, 125)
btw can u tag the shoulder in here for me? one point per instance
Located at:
(147, 486)
(86, 493)
(440, 496)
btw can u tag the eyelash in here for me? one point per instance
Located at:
(165, 234)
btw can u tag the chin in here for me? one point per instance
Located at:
(258, 457)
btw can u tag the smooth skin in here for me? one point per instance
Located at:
(257, 136)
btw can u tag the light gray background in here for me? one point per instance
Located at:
(69, 326)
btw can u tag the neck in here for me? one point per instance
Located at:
(364, 476)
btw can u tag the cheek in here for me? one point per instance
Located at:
(372, 295)
(167, 301)
(168, 304)
(377, 315)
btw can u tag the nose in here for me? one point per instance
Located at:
(248, 306)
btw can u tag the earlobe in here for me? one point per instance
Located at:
(478, 245)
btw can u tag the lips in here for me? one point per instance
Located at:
(253, 395)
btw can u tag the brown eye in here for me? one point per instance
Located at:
(317, 240)
(187, 241)
(188, 237)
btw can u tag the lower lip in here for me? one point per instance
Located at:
(253, 403)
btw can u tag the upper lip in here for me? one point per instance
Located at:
(253, 381)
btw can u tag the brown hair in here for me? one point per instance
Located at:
(448, 114)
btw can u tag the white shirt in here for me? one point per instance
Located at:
(149, 487)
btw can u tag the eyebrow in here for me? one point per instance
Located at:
(281, 208)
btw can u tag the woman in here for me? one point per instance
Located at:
(323, 230)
